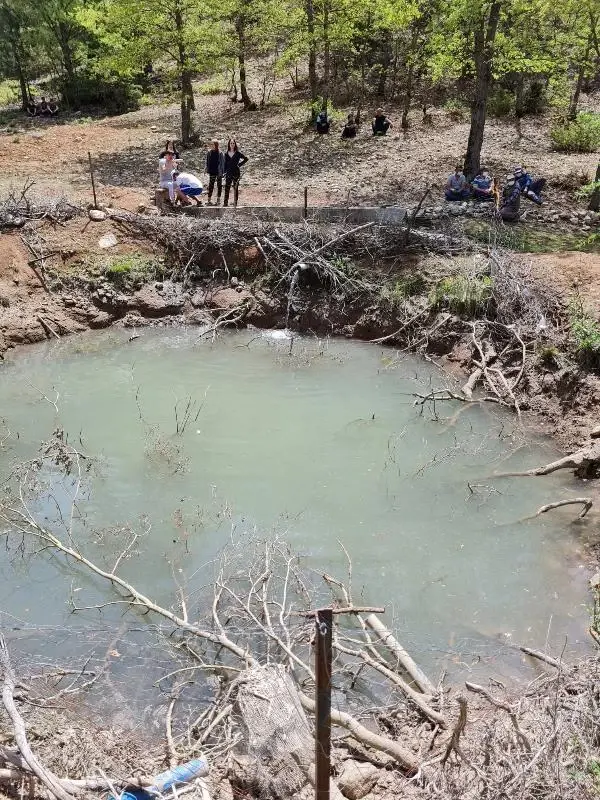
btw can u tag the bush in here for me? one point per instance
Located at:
(580, 136)
(534, 99)
(115, 94)
(500, 103)
(463, 294)
(585, 332)
(404, 288)
(132, 270)
(213, 86)
(456, 109)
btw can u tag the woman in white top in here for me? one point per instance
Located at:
(166, 164)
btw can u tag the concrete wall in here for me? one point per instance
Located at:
(392, 215)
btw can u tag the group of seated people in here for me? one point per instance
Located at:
(483, 188)
(380, 124)
(45, 108)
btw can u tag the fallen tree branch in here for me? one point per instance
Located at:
(405, 659)
(50, 781)
(474, 687)
(587, 503)
(404, 757)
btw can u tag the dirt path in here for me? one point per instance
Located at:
(283, 158)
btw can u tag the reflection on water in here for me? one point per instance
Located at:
(316, 440)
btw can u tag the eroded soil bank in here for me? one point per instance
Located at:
(130, 270)
(498, 326)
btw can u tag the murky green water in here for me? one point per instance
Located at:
(323, 445)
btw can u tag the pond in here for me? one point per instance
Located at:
(194, 441)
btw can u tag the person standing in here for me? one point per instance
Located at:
(234, 159)
(215, 167)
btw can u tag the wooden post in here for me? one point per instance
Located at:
(595, 198)
(92, 177)
(305, 202)
(323, 657)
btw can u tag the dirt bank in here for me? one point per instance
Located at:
(140, 279)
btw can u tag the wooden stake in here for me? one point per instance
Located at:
(93, 182)
(305, 202)
(323, 656)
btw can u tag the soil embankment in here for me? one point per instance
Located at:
(60, 278)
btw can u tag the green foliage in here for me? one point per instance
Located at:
(213, 86)
(132, 270)
(9, 92)
(402, 289)
(500, 103)
(587, 190)
(580, 136)
(549, 356)
(457, 110)
(464, 294)
(585, 333)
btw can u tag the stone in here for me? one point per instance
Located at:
(564, 215)
(234, 282)
(586, 228)
(107, 241)
(153, 304)
(356, 779)
(198, 299)
(229, 298)
(199, 317)
(68, 301)
(96, 215)
(102, 320)
(595, 432)
(133, 319)
(141, 208)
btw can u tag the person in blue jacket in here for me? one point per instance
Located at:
(528, 187)
(482, 185)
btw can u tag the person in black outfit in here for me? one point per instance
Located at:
(350, 129)
(215, 167)
(234, 159)
(381, 123)
(44, 109)
(322, 124)
(53, 107)
(32, 108)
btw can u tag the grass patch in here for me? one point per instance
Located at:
(463, 294)
(402, 289)
(9, 93)
(582, 135)
(549, 356)
(213, 86)
(527, 239)
(585, 333)
(132, 270)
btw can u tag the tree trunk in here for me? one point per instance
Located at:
(595, 198)
(483, 58)
(240, 29)
(572, 113)
(409, 80)
(23, 85)
(63, 35)
(326, 56)
(185, 79)
(312, 57)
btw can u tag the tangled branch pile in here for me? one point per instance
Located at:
(18, 207)
(397, 734)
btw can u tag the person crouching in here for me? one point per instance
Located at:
(183, 186)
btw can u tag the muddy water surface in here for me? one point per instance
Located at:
(319, 441)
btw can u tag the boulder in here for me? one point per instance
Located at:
(102, 320)
(356, 779)
(107, 241)
(96, 215)
(152, 303)
(595, 432)
(226, 299)
(198, 299)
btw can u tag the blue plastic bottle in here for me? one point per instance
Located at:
(182, 774)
